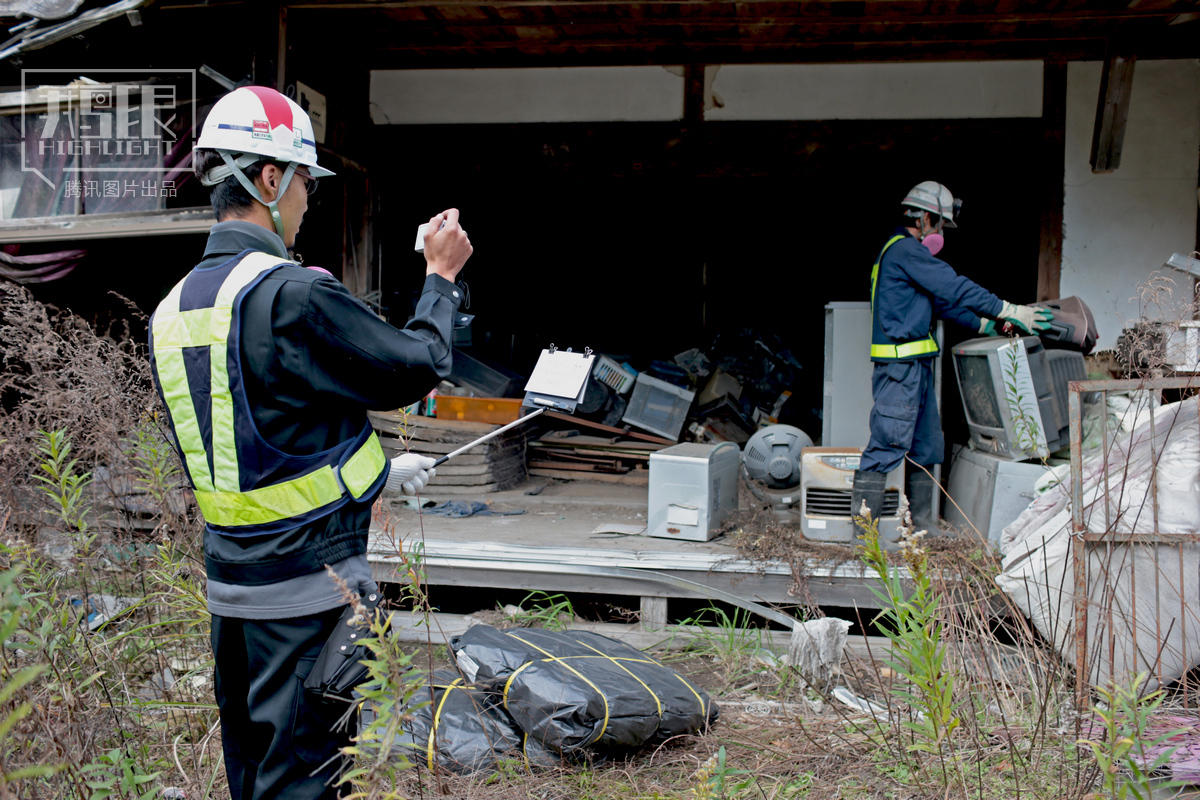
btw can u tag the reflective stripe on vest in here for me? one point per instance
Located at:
(875, 269)
(906, 350)
(918, 347)
(218, 491)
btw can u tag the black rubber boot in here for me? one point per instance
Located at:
(868, 488)
(919, 487)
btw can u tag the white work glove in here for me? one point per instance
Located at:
(1027, 318)
(409, 473)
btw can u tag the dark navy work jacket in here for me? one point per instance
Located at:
(914, 288)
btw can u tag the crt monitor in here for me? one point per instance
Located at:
(985, 384)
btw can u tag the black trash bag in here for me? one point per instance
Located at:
(571, 689)
(459, 726)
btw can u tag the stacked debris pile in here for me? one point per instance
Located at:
(490, 467)
(549, 695)
(722, 392)
(580, 448)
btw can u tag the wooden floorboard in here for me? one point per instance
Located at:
(557, 544)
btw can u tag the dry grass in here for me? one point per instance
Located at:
(101, 711)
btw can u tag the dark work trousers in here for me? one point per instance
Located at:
(904, 419)
(279, 743)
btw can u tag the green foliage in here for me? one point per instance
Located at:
(155, 464)
(389, 692)
(62, 483)
(553, 612)
(14, 683)
(1126, 771)
(717, 780)
(1026, 429)
(116, 775)
(915, 629)
(730, 638)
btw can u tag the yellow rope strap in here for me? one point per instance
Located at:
(692, 689)
(437, 718)
(680, 678)
(627, 671)
(553, 658)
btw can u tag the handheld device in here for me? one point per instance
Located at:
(423, 229)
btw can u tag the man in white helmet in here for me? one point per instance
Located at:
(910, 289)
(267, 370)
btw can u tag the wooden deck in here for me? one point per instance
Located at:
(559, 544)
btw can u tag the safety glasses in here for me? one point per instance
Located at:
(310, 183)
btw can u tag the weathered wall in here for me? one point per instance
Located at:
(1120, 227)
(963, 90)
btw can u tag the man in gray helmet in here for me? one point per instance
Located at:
(910, 289)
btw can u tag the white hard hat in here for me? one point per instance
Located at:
(935, 198)
(261, 122)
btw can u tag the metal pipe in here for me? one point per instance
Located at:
(488, 436)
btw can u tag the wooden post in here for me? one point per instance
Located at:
(1112, 112)
(281, 52)
(693, 93)
(654, 613)
(1053, 168)
(270, 55)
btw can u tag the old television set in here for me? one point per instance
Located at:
(985, 371)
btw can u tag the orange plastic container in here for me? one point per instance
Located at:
(497, 410)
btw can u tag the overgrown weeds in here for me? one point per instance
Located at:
(105, 664)
(105, 669)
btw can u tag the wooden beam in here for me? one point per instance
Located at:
(960, 48)
(693, 93)
(1112, 112)
(281, 51)
(1052, 172)
(873, 13)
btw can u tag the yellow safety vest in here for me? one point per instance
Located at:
(231, 495)
(894, 351)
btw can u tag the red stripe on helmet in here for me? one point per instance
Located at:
(279, 111)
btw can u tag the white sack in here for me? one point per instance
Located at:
(1038, 573)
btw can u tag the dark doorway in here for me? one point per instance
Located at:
(647, 239)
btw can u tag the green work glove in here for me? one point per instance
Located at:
(1027, 318)
(988, 327)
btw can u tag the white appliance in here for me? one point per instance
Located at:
(826, 482)
(846, 408)
(847, 395)
(990, 492)
(693, 489)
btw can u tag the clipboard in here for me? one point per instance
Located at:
(559, 379)
(557, 382)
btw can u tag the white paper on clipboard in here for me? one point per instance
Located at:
(560, 373)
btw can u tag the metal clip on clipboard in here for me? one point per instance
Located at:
(558, 382)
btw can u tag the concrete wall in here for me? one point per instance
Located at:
(744, 91)
(961, 90)
(1120, 227)
(568, 94)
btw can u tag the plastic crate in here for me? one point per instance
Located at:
(613, 375)
(497, 410)
(658, 406)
